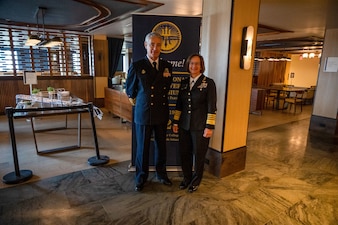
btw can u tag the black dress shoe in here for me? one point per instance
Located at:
(139, 187)
(165, 181)
(184, 184)
(192, 188)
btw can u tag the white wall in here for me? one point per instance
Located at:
(215, 37)
(305, 71)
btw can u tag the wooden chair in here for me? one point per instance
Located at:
(270, 96)
(282, 96)
(308, 96)
(295, 98)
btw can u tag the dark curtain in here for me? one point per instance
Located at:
(114, 53)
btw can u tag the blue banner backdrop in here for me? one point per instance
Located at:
(181, 36)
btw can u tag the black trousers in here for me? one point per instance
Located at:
(193, 148)
(143, 139)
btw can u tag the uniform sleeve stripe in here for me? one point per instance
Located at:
(211, 119)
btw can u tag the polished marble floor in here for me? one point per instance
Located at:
(291, 178)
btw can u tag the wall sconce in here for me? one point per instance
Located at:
(246, 48)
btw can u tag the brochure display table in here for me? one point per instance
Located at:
(42, 110)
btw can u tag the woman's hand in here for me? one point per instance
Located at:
(207, 133)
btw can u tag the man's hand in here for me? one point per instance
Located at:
(132, 101)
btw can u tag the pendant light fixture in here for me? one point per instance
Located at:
(34, 39)
(42, 40)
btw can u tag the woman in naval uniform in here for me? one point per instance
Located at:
(194, 120)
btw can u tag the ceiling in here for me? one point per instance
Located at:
(284, 25)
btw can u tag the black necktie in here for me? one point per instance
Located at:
(154, 64)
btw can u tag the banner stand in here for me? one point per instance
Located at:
(181, 38)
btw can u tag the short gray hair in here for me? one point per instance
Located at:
(151, 35)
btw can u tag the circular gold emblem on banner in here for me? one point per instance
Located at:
(171, 36)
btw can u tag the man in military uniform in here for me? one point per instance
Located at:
(147, 87)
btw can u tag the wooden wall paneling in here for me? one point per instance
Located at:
(271, 72)
(81, 87)
(101, 58)
(7, 88)
(84, 88)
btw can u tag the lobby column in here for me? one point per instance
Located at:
(324, 117)
(221, 40)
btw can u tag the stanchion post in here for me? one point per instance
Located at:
(18, 175)
(98, 159)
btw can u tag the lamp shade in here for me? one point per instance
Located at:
(32, 40)
(53, 42)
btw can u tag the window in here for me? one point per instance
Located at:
(72, 58)
(6, 62)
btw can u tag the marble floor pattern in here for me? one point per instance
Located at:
(291, 178)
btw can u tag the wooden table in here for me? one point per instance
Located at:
(279, 89)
